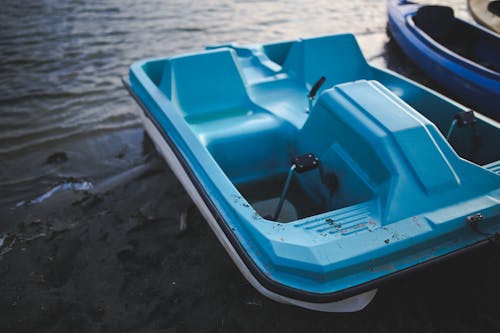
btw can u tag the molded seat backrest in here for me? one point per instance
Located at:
(386, 137)
(204, 82)
(338, 58)
(436, 21)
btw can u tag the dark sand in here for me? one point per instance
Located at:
(118, 262)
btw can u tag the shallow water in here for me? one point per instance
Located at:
(61, 62)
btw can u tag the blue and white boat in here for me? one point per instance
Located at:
(323, 177)
(463, 58)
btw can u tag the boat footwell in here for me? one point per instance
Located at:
(350, 304)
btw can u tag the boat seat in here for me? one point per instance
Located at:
(210, 92)
(436, 21)
(389, 145)
(247, 145)
(338, 58)
(207, 82)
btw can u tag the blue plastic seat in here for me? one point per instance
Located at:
(338, 58)
(209, 90)
(205, 82)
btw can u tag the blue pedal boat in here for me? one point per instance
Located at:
(323, 177)
(463, 58)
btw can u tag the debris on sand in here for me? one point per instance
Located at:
(70, 185)
(56, 158)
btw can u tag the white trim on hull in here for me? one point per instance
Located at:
(351, 304)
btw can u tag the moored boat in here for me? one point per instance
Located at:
(463, 58)
(323, 177)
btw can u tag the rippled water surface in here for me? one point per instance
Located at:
(61, 62)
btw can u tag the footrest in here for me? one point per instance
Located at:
(465, 118)
(305, 163)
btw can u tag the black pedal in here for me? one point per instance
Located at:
(305, 163)
(465, 118)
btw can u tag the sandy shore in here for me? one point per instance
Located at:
(118, 262)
